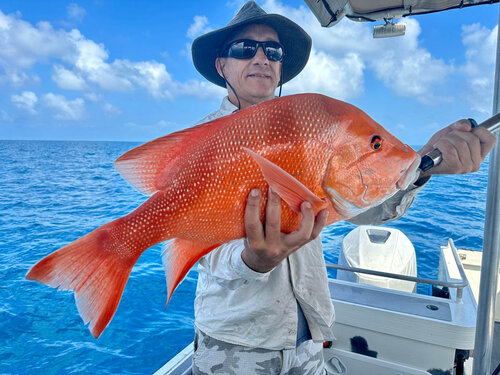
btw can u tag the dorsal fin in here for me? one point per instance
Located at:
(142, 166)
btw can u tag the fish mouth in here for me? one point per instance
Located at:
(349, 209)
(343, 206)
(409, 175)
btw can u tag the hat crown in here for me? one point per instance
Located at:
(250, 10)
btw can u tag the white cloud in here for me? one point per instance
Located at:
(342, 55)
(22, 45)
(341, 77)
(92, 96)
(341, 58)
(408, 69)
(202, 90)
(68, 80)
(14, 78)
(64, 109)
(151, 130)
(480, 44)
(5, 116)
(198, 27)
(26, 100)
(75, 12)
(89, 60)
(111, 109)
(80, 63)
(149, 74)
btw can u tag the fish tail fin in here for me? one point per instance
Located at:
(178, 257)
(93, 267)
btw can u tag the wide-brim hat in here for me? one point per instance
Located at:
(296, 42)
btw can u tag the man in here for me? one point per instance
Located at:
(262, 307)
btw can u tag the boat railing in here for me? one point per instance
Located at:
(460, 284)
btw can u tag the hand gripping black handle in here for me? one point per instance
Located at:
(434, 157)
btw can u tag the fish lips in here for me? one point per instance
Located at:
(349, 209)
(410, 175)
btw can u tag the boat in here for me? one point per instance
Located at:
(471, 261)
(382, 326)
(390, 329)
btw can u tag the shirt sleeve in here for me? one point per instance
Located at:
(226, 265)
(391, 209)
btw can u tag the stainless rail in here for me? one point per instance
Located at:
(459, 285)
(490, 260)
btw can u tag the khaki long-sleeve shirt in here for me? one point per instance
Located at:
(238, 305)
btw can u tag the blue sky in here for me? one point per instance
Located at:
(122, 70)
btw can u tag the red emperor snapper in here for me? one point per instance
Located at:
(306, 147)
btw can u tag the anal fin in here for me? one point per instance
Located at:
(178, 256)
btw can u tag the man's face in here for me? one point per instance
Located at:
(255, 79)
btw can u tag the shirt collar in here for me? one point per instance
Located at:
(227, 107)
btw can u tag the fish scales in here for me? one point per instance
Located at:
(227, 181)
(306, 147)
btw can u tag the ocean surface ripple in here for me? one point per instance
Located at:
(55, 192)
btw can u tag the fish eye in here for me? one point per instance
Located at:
(376, 142)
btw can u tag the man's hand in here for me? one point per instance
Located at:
(463, 149)
(266, 246)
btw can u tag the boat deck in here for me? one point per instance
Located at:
(181, 364)
(394, 303)
(471, 261)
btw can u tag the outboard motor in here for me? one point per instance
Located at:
(380, 249)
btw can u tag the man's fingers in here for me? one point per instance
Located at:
(303, 234)
(451, 160)
(463, 148)
(319, 223)
(307, 223)
(462, 125)
(486, 138)
(253, 225)
(474, 143)
(468, 149)
(273, 218)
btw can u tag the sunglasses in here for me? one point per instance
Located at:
(247, 48)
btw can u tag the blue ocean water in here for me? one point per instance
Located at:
(51, 193)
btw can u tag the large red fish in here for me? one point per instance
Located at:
(306, 147)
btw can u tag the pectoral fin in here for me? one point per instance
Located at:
(291, 190)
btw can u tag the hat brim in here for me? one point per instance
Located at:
(296, 44)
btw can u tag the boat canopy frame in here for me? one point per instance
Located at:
(490, 260)
(330, 12)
